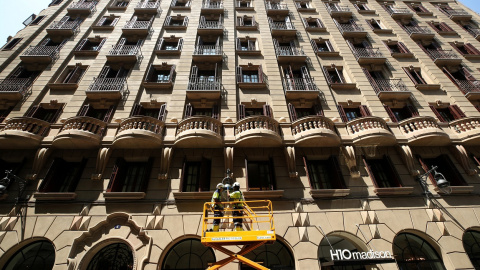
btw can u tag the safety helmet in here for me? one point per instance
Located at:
(219, 185)
(236, 184)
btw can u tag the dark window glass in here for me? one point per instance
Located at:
(130, 176)
(304, 112)
(11, 44)
(253, 111)
(401, 113)
(446, 114)
(260, 175)
(37, 20)
(189, 254)
(447, 168)
(62, 176)
(116, 256)
(413, 252)
(324, 174)
(471, 244)
(10, 166)
(352, 113)
(196, 176)
(38, 255)
(275, 256)
(383, 172)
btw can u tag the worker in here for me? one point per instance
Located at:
(217, 206)
(237, 196)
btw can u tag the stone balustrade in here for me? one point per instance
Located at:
(312, 123)
(200, 123)
(256, 123)
(146, 123)
(27, 124)
(85, 124)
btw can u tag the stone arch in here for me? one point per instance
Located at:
(471, 241)
(13, 251)
(177, 241)
(337, 240)
(281, 246)
(117, 227)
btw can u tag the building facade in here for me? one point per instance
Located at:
(121, 116)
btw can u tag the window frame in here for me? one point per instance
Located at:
(118, 178)
(67, 174)
(388, 168)
(11, 44)
(270, 185)
(334, 177)
(202, 183)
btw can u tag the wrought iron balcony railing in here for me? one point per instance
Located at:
(276, 6)
(337, 8)
(210, 25)
(467, 86)
(51, 51)
(392, 10)
(137, 25)
(282, 26)
(299, 84)
(208, 50)
(416, 30)
(124, 50)
(473, 31)
(212, 5)
(67, 25)
(108, 85)
(367, 53)
(289, 51)
(204, 84)
(442, 54)
(148, 5)
(454, 12)
(349, 27)
(15, 85)
(389, 85)
(83, 5)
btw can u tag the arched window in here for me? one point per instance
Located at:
(413, 252)
(275, 256)
(38, 255)
(471, 243)
(116, 256)
(189, 254)
(338, 243)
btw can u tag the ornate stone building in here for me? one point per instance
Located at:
(121, 116)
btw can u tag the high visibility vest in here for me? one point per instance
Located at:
(237, 196)
(217, 197)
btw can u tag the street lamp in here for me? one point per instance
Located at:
(442, 183)
(8, 179)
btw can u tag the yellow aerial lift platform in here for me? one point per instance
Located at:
(258, 230)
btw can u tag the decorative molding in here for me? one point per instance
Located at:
(102, 160)
(461, 155)
(351, 161)
(290, 156)
(39, 161)
(228, 155)
(167, 153)
(407, 157)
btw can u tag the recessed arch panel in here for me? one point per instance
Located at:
(414, 252)
(188, 254)
(39, 255)
(471, 244)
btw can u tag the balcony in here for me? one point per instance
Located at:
(244, 5)
(419, 32)
(208, 53)
(139, 132)
(351, 30)
(127, 54)
(257, 131)
(388, 89)
(38, 56)
(423, 130)
(250, 49)
(58, 30)
(337, 11)
(14, 89)
(81, 132)
(107, 88)
(295, 88)
(368, 56)
(370, 130)
(23, 133)
(471, 89)
(139, 28)
(290, 54)
(315, 131)
(214, 28)
(313, 25)
(81, 8)
(286, 29)
(209, 88)
(169, 46)
(146, 7)
(456, 14)
(210, 7)
(467, 130)
(276, 9)
(444, 57)
(199, 132)
(399, 13)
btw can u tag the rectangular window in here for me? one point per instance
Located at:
(55, 2)
(325, 174)
(399, 114)
(445, 167)
(450, 113)
(11, 44)
(3, 114)
(37, 20)
(415, 75)
(62, 176)
(260, 175)
(46, 114)
(350, 113)
(104, 115)
(130, 176)
(382, 172)
(140, 110)
(196, 176)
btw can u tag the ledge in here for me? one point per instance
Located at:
(370, 11)
(393, 191)
(382, 31)
(59, 196)
(428, 86)
(204, 195)
(457, 190)
(329, 193)
(328, 54)
(402, 55)
(123, 195)
(263, 194)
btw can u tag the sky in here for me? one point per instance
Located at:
(13, 13)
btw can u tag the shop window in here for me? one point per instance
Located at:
(298, 112)
(189, 254)
(114, 256)
(447, 114)
(445, 167)
(413, 252)
(45, 113)
(196, 175)
(62, 176)
(130, 176)
(11, 44)
(274, 256)
(37, 255)
(471, 244)
(382, 172)
(260, 175)
(350, 113)
(324, 174)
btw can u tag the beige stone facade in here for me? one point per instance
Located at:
(341, 115)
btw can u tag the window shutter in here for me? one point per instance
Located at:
(413, 111)
(444, 27)
(109, 114)
(253, 20)
(426, 169)
(205, 169)
(394, 173)
(32, 110)
(318, 109)
(215, 111)
(419, 75)
(369, 171)
(337, 175)
(409, 73)
(48, 184)
(402, 47)
(239, 44)
(149, 76)
(77, 72)
(172, 73)
(297, 5)
(188, 3)
(471, 49)
(364, 110)
(146, 176)
(272, 174)
(182, 179)
(240, 21)
(188, 111)
(305, 164)
(101, 21)
(372, 81)
(370, 23)
(319, 23)
(84, 110)
(342, 113)
(456, 111)
(239, 74)
(314, 45)
(167, 20)
(118, 176)
(81, 44)
(467, 74)
(450, 76)
(433, 26)
(390, 113)
(137, 110)
(260, 74)
(162, 114)
(292, 112)
(57, 114)
(422, 8)
(267, 110)
(185, 21)
(241, 111)
(458, 179)
(305, 23)
(194, 74)
(437, 114)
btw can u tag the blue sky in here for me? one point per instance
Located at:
(13, 13)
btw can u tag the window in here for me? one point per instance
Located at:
(246, 112)
(155, 112)
(415, 74)
(196, 175)
(160, 74)
(130, 176)
(260, 175)
(189, 254)
(176, 21)
(120, 3)
(45, 112)
(466, 49)
(55, 2)
(471, 244)
(324, 174)
(114, 256)
(295, 79)
(396, 48)
(376, 25)
(246, 45)
(382, 172)
(244, 4)
(205, 77)
(274, 256)
(62, 176)
(190, 111)
(72, 74)
(445, 167)
(304, 6)
(351, 113)
(464, 80)
(104, 115)
(322, 45)
(19, 79)
(180, 4)
(107, 22)
(418, 8)
(170, 44)
(447, 114)
(362, 7)
(413, 252)
(3, 114)
(300, 111)
(32, 256)
(90, 45)
(398, 114)
(37, 20)
(11, 44)
(334, 75)
(250, 74)
(441, 28)
(313, 24)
